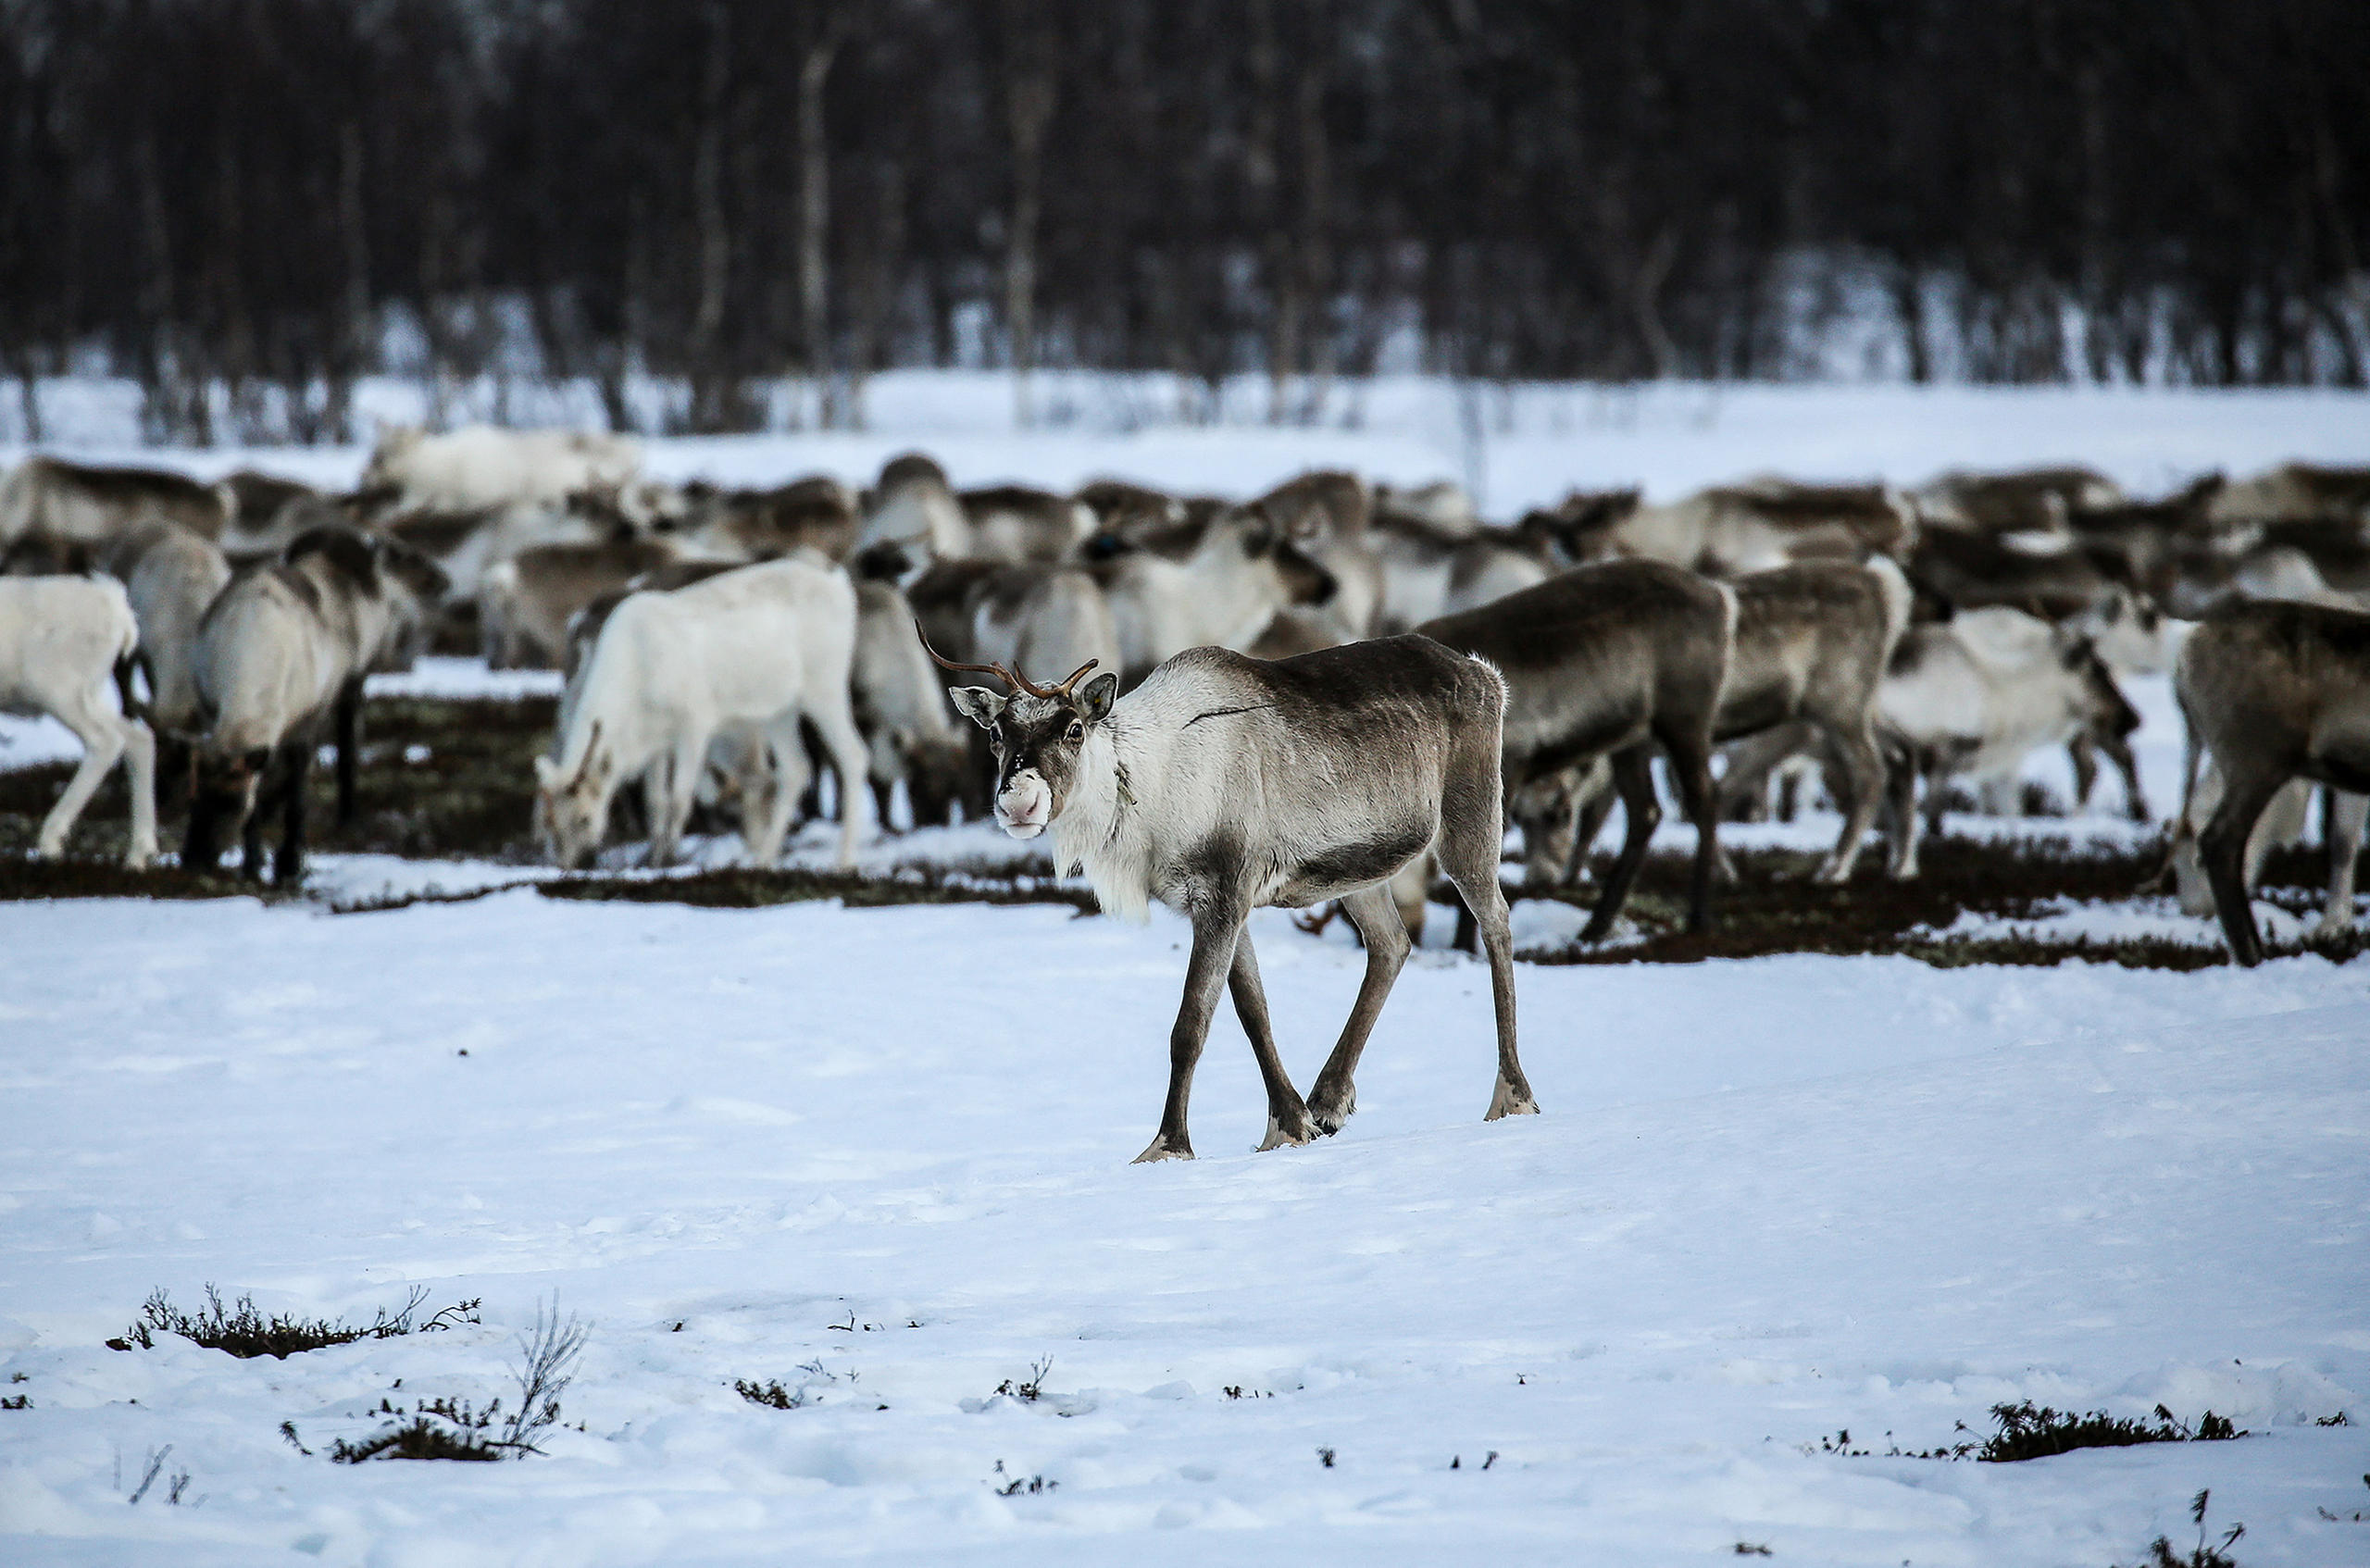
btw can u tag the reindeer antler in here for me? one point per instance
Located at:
(1011, 678)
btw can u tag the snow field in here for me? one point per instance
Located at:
(1769, 1201)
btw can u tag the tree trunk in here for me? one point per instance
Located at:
(813, 222)
(712, 398)
(1029, 89)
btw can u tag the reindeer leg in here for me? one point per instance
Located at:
(1634, 780)
(1375, 914)
(1286, 1116)
(2342, 813)
(1471, 830)
(349, 748)
(260, 805)
(1593, 811)
(2083, 753)
(1217, 931)
(102, 734)
(1691, 768)
(288, 865)
(139, 754)
(1864, 774)
(2134, 799)
(845, 744)
(2223, 848)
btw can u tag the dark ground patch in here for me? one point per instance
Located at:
(455, 779)
(741, 888)
(1775, 906)
(471, 794)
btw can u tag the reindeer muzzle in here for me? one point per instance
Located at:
(1025, 806)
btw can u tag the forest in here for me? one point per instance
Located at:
(248, 205)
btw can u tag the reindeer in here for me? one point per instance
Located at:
(2027, 500)
(2282, 823)
(281, 652)
(1224, 784)
(526, 601)
(899, 702)
(91, 505)
(1975, 696)
(1015, 523)
(2274, 690)
(60, 640)
(913, 504)
(1243, 571)
(1729, 530)
(170, 575)
(480, 466)
(1611, 661)
(2293, 492)
(818, 513)
(757, 649)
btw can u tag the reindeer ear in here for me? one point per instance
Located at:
(546, 772)
(982, 706)
(1096, 700)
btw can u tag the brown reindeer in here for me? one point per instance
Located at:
(2275, 690)
(1612, 661)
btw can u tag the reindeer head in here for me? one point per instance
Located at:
(1035, 733)
(572, 810)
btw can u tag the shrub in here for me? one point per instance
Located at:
(244, 1332)
(456, 1429)
(2028, 1432)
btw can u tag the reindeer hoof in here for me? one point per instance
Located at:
(1510, 1101)
(1160, 1148)
(1330, 1114)
(1280, 1135)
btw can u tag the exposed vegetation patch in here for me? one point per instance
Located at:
(2202, 1555)
(456, 1429)
(243, 1331)
(745, 887)
(1775, 907)
(2029, 1433)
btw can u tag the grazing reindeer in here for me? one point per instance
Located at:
(756, 649)
(61, 638)
(2282, 823)
(282, 652)
(2274, 690)
(1224, 784)
(1609, 661)
(899, 702)
(1813, 643)
(1974, 696)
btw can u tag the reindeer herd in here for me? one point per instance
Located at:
(1292, 688)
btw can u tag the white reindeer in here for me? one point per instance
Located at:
(757, 648)
(480, 465)
(1244, 569)
(62, 641)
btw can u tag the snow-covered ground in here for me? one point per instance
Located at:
(879, 1155)
(1516, 447)
(1768, 1202)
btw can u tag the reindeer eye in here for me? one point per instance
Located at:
(1078, 730)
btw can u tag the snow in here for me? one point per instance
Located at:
(1516, 446)
(1768, 1201)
